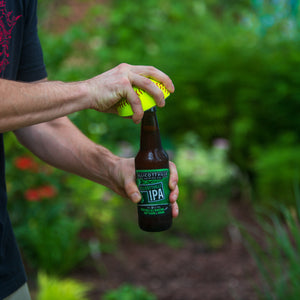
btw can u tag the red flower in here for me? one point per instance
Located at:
(26, 163)
(32, 195)
(47, 191)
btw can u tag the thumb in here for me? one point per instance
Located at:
(133, 191)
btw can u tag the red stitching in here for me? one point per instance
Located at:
(161, 86)
(123, 103)
(139, 92)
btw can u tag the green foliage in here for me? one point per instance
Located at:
(129, 292)
(97, 206)
(204, 167)
(234, 65)
(278, 257)
(205, 184)
(49, 238)
(45, 228)
(277, 167)
(50, 288)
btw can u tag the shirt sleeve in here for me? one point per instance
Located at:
(32, 67)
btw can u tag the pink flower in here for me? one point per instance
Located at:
(221, 143)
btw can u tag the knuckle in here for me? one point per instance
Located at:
(172, 165)
(138, 115)
(135, 101)
(123, 66)
(152, 69)
(124, 81)
(147, 82)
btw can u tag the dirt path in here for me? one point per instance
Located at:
(188, 273)
(191, 272)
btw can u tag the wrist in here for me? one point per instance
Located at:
(106, 166)
(79, 93)
(91, 92)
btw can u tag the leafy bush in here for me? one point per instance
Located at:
(277, 167)
(205, 186)
(50, 288)
(44, 225)
(97, 207)
(203, 167)
(129, 292)
(49, 238)
(234, 66)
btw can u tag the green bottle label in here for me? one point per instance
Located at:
(154, 188)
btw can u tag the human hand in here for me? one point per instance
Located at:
(125, 185)
(108, 88)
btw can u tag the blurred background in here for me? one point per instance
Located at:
(232, 127)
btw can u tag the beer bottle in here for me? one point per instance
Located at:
(152, 177)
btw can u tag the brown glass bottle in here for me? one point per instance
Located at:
(152, 177)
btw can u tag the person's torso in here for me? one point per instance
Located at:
(12, 20)
(20, 59)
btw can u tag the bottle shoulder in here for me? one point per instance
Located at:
(152, 159)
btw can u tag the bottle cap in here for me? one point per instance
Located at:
(147, 101)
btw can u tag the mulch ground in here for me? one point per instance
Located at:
(191, 272)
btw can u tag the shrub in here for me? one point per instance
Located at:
(48, 238)
(128, 292)
(39, 206)
(50, 288)
(277, 167)
(97, 207)
(205, 184)
(276, 251)
(234, 72)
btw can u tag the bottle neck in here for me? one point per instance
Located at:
(150, 136)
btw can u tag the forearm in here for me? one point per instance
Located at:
(62, 145)
(25, 104)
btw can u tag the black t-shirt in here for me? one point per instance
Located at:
(20, 59)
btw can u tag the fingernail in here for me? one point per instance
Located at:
(161, 103)
(173, 87)
(135, 197)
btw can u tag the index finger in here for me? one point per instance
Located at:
(136, 106)
(154, 73)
